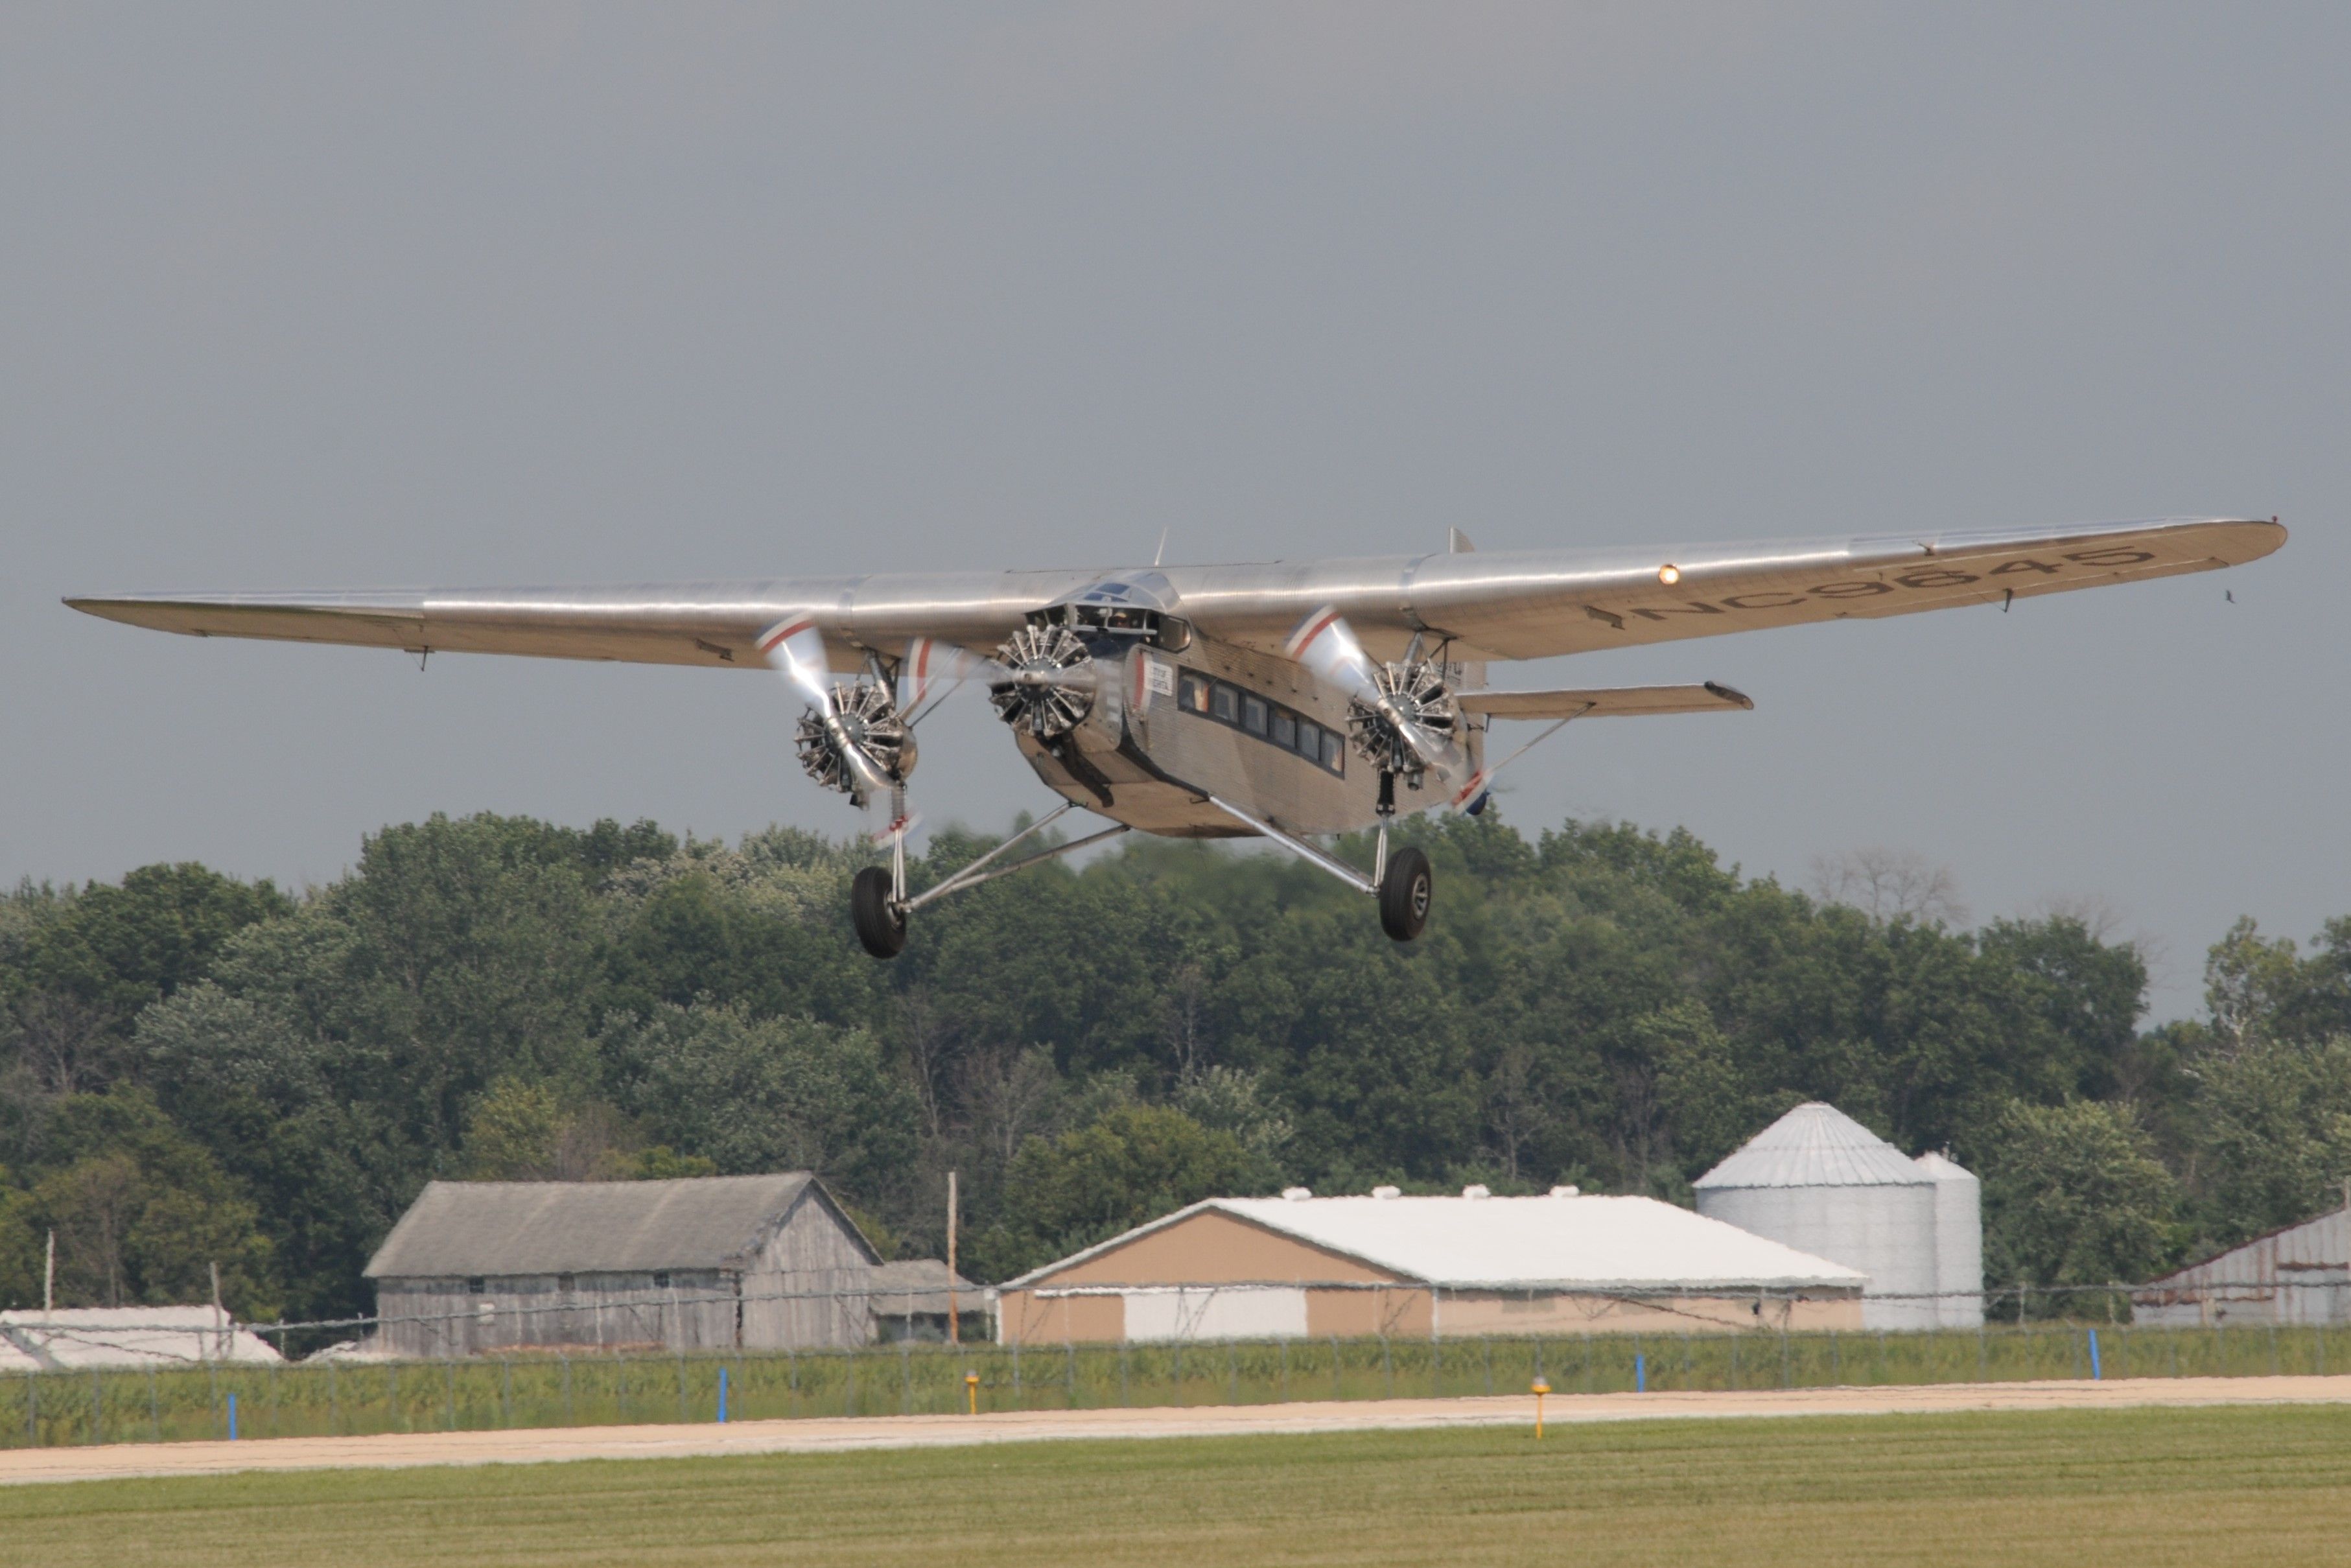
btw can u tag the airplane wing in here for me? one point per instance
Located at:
(1526, 604)
(1605, 702)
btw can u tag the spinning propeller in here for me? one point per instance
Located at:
(1401, 716)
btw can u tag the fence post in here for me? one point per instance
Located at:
(2098, 1373)
(97, 1409)
(1640, 1372)
(721, 1397)
(232, 1415)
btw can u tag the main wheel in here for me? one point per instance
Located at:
(1404, 895)
(880, 927)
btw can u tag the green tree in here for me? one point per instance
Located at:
(2274, 1144)
(141, 1211)
(1134, 1163)
(2074, 1196)
(764, 1095)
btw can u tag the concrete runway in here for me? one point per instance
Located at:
(816, 1436)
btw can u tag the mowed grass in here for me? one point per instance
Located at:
(2264, 1486)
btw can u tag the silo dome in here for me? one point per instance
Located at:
(1821, 1182)
(1958, 1241)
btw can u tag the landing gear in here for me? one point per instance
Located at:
(879, 919)
(1405, 889)
(878, 901)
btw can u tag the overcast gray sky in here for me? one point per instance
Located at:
(364, 296)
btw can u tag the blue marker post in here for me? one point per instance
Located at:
(2095, 1375)
(721, 1397)
(1640, 1372)
(232, 1417)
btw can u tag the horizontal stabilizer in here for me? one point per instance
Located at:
(1605, 702)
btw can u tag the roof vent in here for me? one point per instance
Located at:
(1387, 1192)
(1475, 1192)
(1297, 1194)
(1564, 1191)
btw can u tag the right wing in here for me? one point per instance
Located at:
(1605, 702)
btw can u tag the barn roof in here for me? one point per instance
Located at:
(1815, 1146)
(485, 1227)
(920, 1286)
(1560, 1242)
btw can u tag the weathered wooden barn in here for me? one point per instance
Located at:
(703, 1263)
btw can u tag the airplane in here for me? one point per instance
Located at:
(1284, 700)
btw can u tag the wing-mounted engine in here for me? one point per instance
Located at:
(861, 718)
(1405, 720)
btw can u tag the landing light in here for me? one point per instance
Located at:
(1669, 575)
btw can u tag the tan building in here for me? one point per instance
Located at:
(1299, 1266)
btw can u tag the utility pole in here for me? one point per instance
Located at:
(955, 1314)
(220, 1335)
(50, 1280)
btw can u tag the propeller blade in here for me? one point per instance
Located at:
(795, 648)
(1329, 647)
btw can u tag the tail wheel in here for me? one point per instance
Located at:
(881, 926)
(1404, 895)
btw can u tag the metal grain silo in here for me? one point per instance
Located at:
(1821, 1182)
(1958, 1241)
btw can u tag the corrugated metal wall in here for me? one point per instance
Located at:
(2298, 1275)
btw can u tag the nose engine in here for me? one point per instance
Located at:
(1045, 681)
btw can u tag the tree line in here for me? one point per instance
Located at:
(196, 1070)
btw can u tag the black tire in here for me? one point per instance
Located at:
(1404, 895)
(881, 927)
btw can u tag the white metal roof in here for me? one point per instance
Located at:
(1815, 1146)
(1518, 1243)
(1942, 1168)
(131, 1336)
(15, 1360)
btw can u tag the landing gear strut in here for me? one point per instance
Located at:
(1402, 882)
(878, 904)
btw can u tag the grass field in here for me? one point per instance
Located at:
(2146, 1488)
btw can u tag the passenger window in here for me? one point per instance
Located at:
(1334, 755)
(1285, 730)
(1253, 714)
(1194, 695)
(1309, 741)
(1227, 704)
